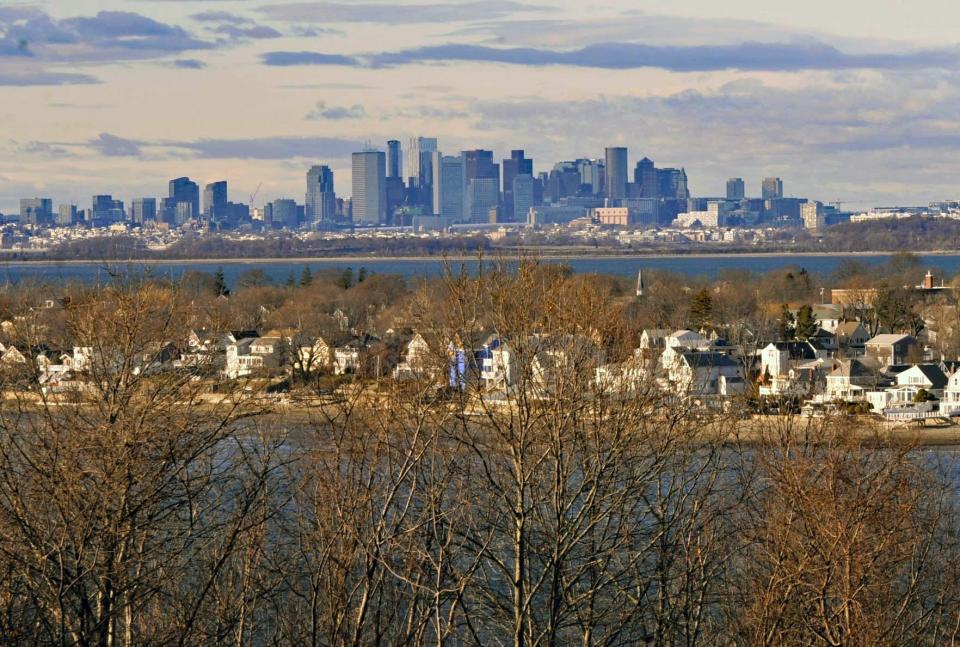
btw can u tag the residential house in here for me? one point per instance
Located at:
(790, 368)
(828, 316)
(249, 355)
(852, 337)
(929, 378)
(950, 402)
(851, 380)
(889, 349)
(705, 374)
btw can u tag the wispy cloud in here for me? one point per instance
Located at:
(621, 56)
(189, 64)
(323, 111)
(254, 32)
(395, 13)
(43, 77)
(114, 146)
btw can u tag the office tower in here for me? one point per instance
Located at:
(483, 194)
(479, 164)
(736, 190)
(522, 196)
(285, 213)
(517, 164)
(812, 215)
(646, 178)
(106, 210)
(592, 172)
(448, 187)
(616, 158)
(66, 215)
(418, 157)
(394, 159)
(564, 181)
(673, 183)
(215, 201)
(143, 210)
(320, 206)
(772, 188)
(36, 211)
(369, 188)
(481, 178)
(182, 190)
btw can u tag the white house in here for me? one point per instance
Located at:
(950, 402)
(699, 374)
(850, 381)
(416, 361)
(251, 355)
(789, 368)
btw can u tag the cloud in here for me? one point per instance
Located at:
(620, 56)
(222, 17)
(42, 78)
(394, 13)
(305, 31)
(106, 36)
(44, 148)
(257, 32)
(189, 64)
(322, 111)
(269, 148)
(282, 59)
(112, 146)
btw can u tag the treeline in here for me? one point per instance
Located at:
(137, 510)
(278, 246)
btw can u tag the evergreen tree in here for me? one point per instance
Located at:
(345, 280)
(361, 275)
(701, 309)
(220, 283)
(805, 325)
(307, 277)
(787, 325)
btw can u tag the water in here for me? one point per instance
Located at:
(279, 271)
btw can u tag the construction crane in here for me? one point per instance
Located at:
(253, 196)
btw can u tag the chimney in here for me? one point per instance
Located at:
(928, 281)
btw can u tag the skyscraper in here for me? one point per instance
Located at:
(369, 198)
(673, 183)
(143, 209)
(448, 187)
(418, 157)
(394, 159)
(522, 196)
(321, 200)
(106, 210)
(481, 180)
(616, 158)
(483, 194)
(67, 215)
(646, 178)
(182, 190)
(772, 188)
(736, 189)
(284, 213)
(517, 164)
(36, 211)
(215, 201)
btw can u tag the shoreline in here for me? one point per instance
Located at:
(506, 254)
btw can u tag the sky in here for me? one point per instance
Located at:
(855, 101)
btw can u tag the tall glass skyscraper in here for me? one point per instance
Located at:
(369, 198)
(394, 159)
(321, 201)
(616, 158)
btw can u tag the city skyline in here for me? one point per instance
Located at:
(117, 97)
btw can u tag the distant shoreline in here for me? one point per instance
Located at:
(490, 255)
